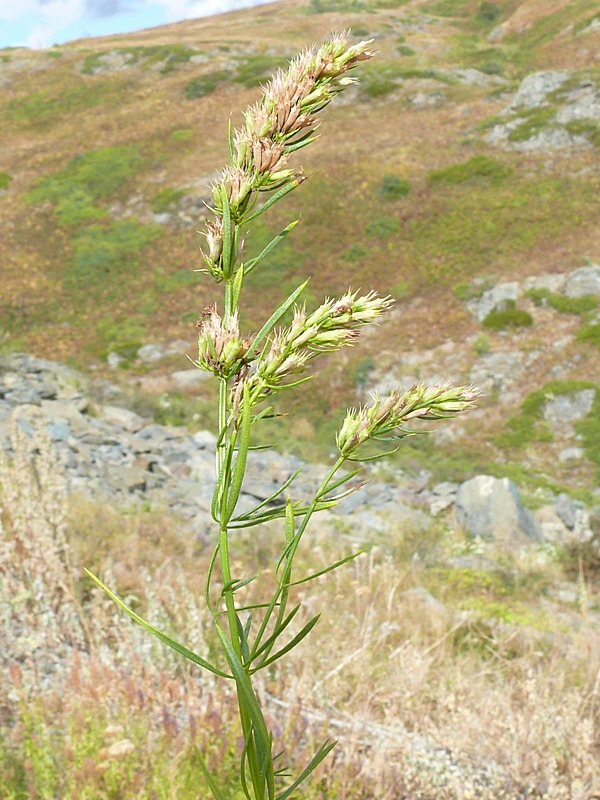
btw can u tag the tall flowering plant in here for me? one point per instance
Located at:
(252, 370)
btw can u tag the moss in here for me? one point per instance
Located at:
(181, 135)
(478, 167)
(103, 254)
(509, 316)
(394, 187)
(528, 425)
(562, 303)
(87, 178)
(203, 85)
(166, 200)
(590, 128)
(589, 430)
(590, 333)
(532, 123)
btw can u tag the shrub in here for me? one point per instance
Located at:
(393, 187)
(405, 50)
(355, 253)
(480, 166)
(507, 317)
(204, 84)
(5, 180)
(383, 226)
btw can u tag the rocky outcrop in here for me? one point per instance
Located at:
(111, 453)
(491, 508)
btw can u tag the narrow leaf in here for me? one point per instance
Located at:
(212, 785)
(274, 319)
(346, 477)
(275, 635)
(291, 644)
(179, 648)
(330, 568)
(271, 497)
(321, 754)
(247, 696)
(289, 187)
(239, 468)
(250, 265)
(227, 233)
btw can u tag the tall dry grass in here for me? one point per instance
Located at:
(427, 702)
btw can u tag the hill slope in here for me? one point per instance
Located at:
(439, 181)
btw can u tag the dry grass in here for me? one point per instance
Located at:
(428, 702)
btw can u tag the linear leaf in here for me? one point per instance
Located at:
(321, 754)
(227, 232)
(275, 635)
(254, 262)
(212, 785)
(239, 468)
(289, 187)
(325, 570)
(270, 498)
(274, 319)
(291, 644)
(179, 648)
(248, 697)
(339, 482)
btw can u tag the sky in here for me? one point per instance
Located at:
(43, 23)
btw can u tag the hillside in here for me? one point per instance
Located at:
(435, 181)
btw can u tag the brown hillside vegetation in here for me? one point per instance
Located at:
(459, 176)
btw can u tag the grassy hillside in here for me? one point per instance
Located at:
(110, 145)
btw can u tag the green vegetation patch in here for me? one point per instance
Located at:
(42, 108)
(167, 199)
(383, 226)
(478, 167)
(380, 79)
(202, 85)
(393, 187)
(5, 180)
(590, 128)
(258, 68)
(348, 6)
(86, 179)
(509, 316)
(590, 333)
(533, 122)
(529, 426)
(169, 55)
(589, 430)
(104, 253)
(562, 303)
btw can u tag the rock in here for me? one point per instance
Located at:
(188, 378)
(493, 298)
(474, 77)
(552, 528)
(122, 418)
(571, 454)
(496, 371)
(491, 508)
(566, 408)
(552, 281)
(535, 88)
(114, 360)
(583, 281)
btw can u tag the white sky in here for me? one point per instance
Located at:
(42, 23)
